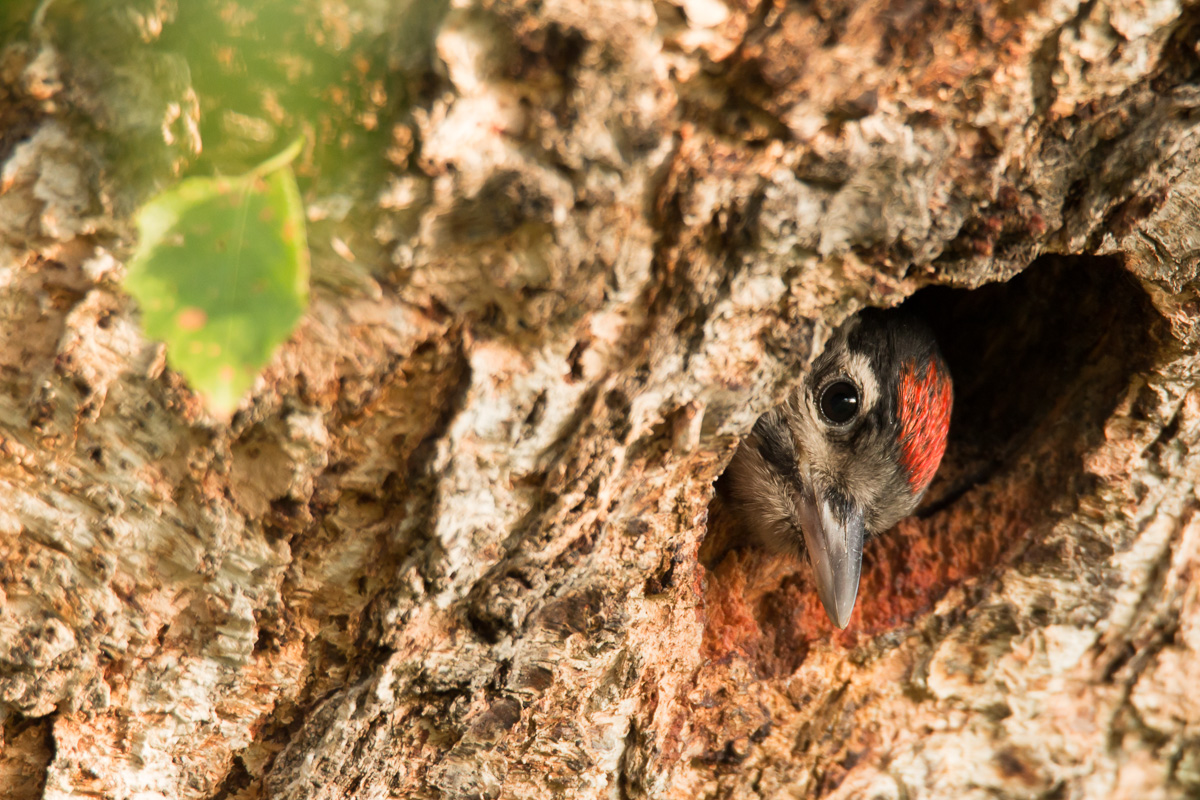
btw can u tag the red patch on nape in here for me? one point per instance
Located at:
(925, 400)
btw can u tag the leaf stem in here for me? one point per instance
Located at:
(276, 162)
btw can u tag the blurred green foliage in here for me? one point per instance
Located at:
(177, 88)
(221, 275)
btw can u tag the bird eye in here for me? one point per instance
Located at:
(839, 402)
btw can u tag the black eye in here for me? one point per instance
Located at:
(839, 402)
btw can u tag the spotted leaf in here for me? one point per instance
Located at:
(221, 275)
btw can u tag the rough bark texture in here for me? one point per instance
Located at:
(463, 540)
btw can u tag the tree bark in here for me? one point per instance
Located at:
(463, 540)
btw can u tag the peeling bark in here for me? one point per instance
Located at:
(464, 541)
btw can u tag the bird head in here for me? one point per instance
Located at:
(850, 452)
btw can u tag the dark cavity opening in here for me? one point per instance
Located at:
(1039, 364)
(1043, 357)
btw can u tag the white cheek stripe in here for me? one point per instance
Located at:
(805, 420)
(858, 368)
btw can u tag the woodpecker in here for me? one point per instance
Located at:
(849, 453)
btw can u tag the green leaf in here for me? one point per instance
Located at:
(221, 275)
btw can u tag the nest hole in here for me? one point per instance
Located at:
(1039, 363)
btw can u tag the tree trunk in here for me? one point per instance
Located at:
(463, 540)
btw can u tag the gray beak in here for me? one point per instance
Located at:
(834, 542)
